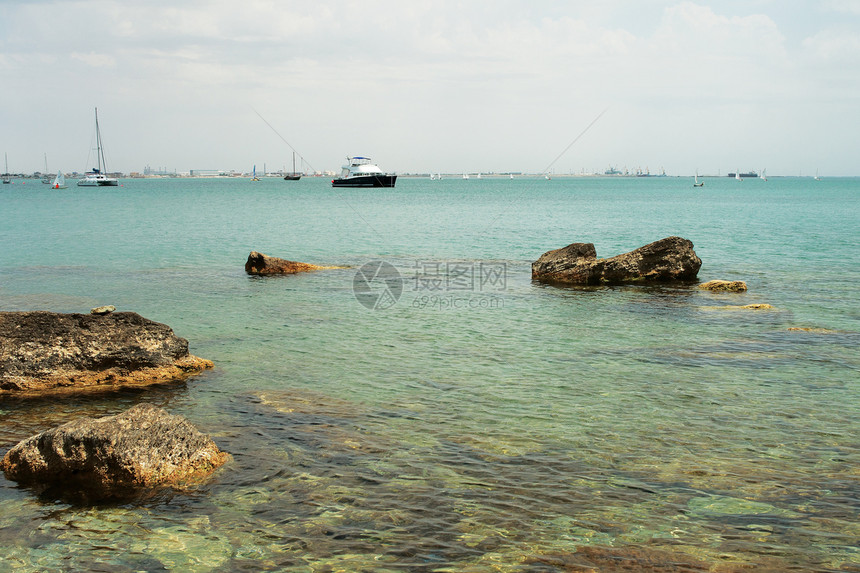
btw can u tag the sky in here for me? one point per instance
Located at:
(444, 86)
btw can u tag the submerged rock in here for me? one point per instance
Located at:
(260, 264)
(729, 286)
(754, 306)
(725, 505)
(47, 351)
(628, 558)
(669, 259)
(115, 456)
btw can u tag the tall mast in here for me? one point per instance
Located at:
(98, 142)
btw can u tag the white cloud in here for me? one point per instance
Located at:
(834, 47)
(846, 6)
(466, 84)
(94, 60)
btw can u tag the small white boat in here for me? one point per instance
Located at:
(360, 172)
(696, 182)
(59, 181)
(96, 177)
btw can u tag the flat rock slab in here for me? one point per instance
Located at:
(726, 286)
(115, 456)
(260, 264)
(669, 259)
(44, 352)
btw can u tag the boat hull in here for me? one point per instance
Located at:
(100, 182)
(365, 181)
(293, 177)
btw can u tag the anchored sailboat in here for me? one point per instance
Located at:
(96, 177)
(46, 178)
(294, 176)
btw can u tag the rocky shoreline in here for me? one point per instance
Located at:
(48, 352)
(45, 353)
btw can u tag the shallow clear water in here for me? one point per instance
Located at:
(482, 422)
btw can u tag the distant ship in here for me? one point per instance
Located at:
(739, 175)
(360, 172)
(647, 173)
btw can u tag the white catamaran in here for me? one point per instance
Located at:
(96, 177)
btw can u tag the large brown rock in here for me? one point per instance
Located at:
(669, 259)
(114, 456)
(47, 352)
(260, 264)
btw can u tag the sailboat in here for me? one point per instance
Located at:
(59, 181)
(6, 178)
(817, 178)
(96, 177)
(294, 176)
(254, 174)
(46, 178)
(696, 182)
(738, 175)
(763, 175)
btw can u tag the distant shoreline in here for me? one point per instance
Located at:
(474, 175)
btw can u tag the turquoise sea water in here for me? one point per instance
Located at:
(482, 422)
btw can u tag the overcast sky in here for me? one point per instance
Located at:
(450, 86)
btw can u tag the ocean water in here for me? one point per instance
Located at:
(461, 418)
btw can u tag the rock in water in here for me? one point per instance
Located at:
(47, 351)
(669, 259)
(115, 456)
(728, 286)
(260, 264)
